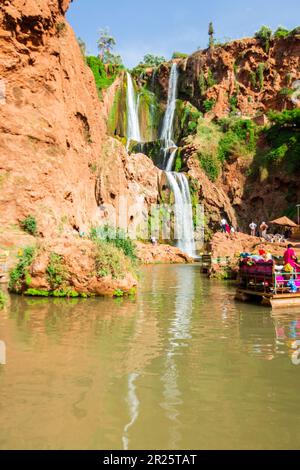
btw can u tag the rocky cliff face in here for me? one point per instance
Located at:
(239, 80)
(243, 73)
(56, 161)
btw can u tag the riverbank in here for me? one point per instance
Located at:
(74, 266)
(228, 247)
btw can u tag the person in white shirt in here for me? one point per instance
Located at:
(253, 228)
(223, 225)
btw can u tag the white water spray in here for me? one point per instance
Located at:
(178, 183)
(183, 212)
(167, 128)
(133, 126)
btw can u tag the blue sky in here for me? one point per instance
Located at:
(164, 26)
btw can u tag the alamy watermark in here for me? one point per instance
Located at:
(178, 222)
(2, 92)
(2, 353)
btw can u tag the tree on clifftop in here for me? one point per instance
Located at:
(153, 60)
(264, 35)
(106, 44)
(211, 33)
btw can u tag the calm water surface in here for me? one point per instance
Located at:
(182, 366)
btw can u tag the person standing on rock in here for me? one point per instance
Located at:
(253, 228)
(263, 230)
(223, 225)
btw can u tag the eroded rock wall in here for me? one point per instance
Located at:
(56, 161)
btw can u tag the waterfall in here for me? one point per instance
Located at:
(178, 183)
(170, 163)
(167, 128)
(183, 213)
(133, 126)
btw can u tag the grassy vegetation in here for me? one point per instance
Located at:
(111, 261)
(179, 55)
(239, 138)
(104, 75)
(116, 237)
(186, 119)
(223, 140)
(115, 253)
(207, 140)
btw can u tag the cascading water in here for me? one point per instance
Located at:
(183, 215)
(133, 126)
(167, 128)
(178, 183)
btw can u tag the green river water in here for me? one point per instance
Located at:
(182, 366)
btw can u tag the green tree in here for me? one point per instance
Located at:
(106, 44)
(211, 33)
(153, 60)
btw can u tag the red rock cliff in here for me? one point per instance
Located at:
(56, 161)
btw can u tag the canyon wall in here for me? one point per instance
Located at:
(57, 162)
(241, 69)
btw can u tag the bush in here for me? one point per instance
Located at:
(281, 33)
(278, 155)
(61, 28)
(264, 35)
(116, 237)
(57, 274)
(19, 277)
(286, 92)
(29, 225)
(285, 118)
(208, 105)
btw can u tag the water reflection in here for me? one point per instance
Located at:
(287, 330)
(156, 372)
(178, 335)
(133, 403)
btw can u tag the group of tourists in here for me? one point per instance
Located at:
(257, 231)
(226, 228)
(262, 231)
